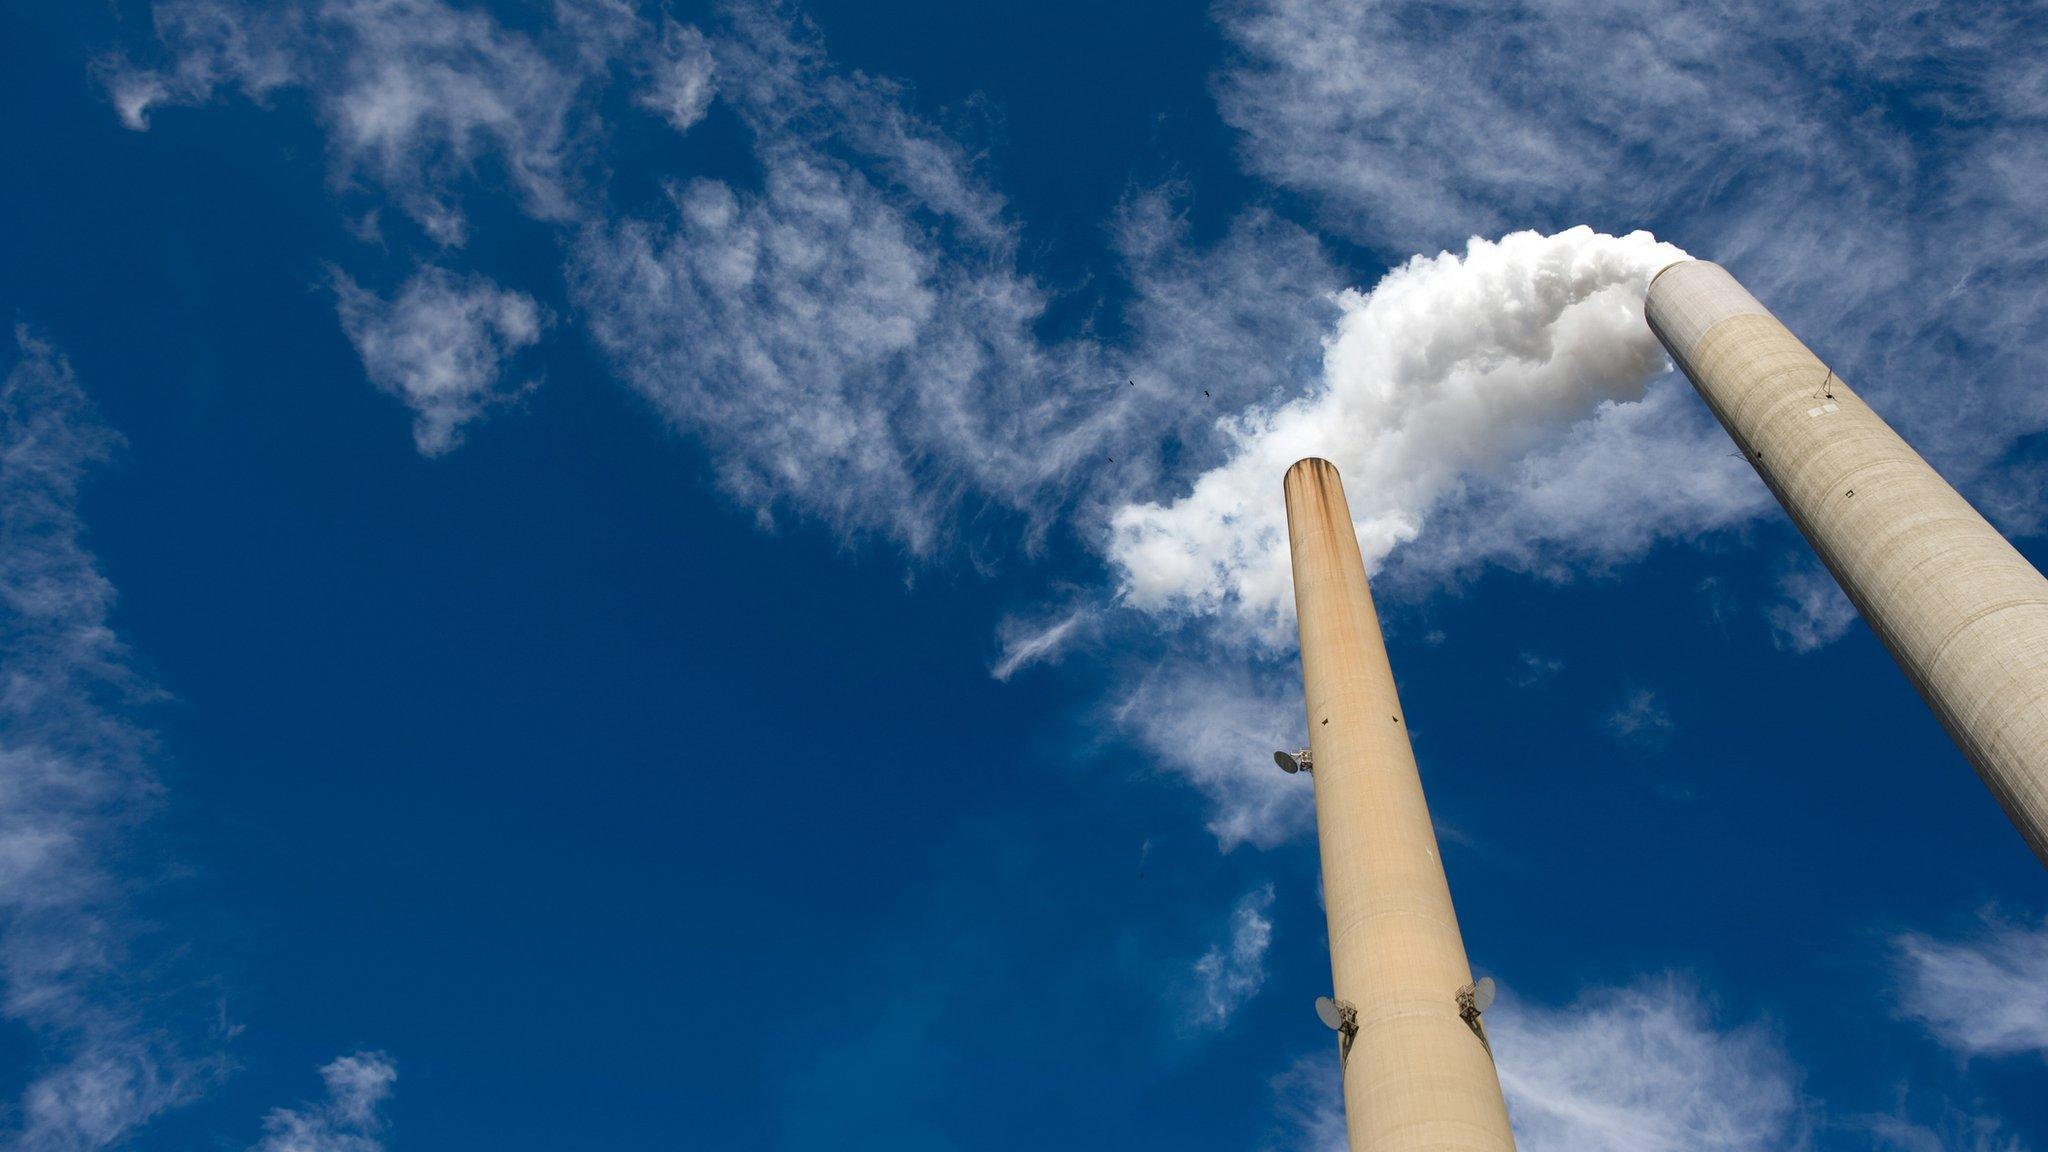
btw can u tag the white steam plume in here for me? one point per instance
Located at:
(1453, 367)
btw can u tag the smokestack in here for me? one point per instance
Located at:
(1418, 1076)
(1963, 613)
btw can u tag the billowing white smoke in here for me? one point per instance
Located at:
(1452, 368)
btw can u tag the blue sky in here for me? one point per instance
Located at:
(587, 575)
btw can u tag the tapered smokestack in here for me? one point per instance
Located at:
(1417, 1075)
(1962, 611)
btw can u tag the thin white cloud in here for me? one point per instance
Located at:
(854, 338)
(1956, 1133)
(417, 95)
(349, 1119)
(429, 90)
(1229, 974)
(681, 75)
(75, 781)
(1811, 612)
(217, 46)
(1308, 1100)
(1216, 724)
(1985, 994)
(441, 345)
(781, 82)
(1532, 670)
(1028, 642)
(1643, 1069)
(1639, 717)
(1402, 121)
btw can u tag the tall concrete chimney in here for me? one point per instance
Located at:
(1963, 613)
(1418, 1077)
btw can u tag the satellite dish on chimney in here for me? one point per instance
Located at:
(1340, 1018)
(1292, 762)
(1473, 1000)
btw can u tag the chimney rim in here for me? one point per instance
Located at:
(1312, 460)
(1668, 267)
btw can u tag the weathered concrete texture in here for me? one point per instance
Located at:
(1417, 1078)
(1962, 611)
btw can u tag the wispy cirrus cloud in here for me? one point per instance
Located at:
(1230, 973)
(1981, 994)
(1215, 724)
(76, 784)
(681, 76)
(424, 105)
(1026, 642)
(1811, 612)
(441, 345)
(1639, 717)
(855, 337)
(1400, 122)
(349, 1119)
(1644, 1068)
(215, 46)
(1308, 1100)
(1533, 670)
(1953, 1133)
(415, 95)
